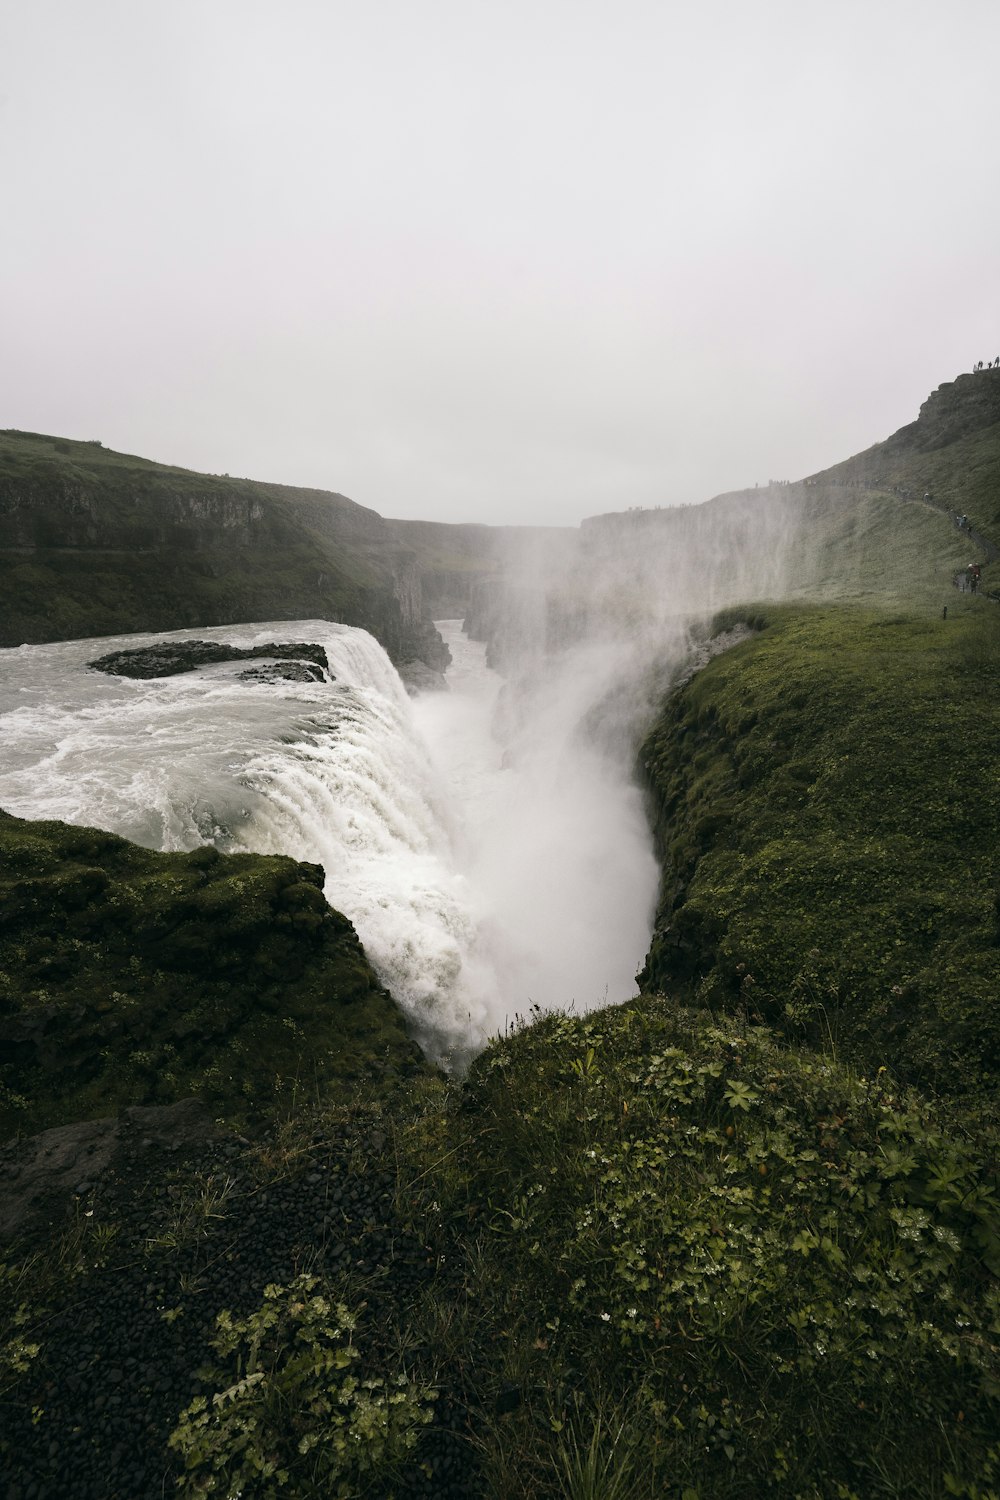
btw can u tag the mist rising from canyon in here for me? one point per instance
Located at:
(489, 842)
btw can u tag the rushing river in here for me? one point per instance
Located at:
(490, 849)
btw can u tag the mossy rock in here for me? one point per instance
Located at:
(825, 807)
(131, 977)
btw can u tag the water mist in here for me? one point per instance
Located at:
(488, 842)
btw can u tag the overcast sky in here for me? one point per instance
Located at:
(498, 260)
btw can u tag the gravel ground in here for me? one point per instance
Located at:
(91, 1418)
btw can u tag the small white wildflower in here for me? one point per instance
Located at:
(605, 1317)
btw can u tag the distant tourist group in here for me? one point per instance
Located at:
(994, 364)
(968, 579)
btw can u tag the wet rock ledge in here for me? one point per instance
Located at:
(307, 661)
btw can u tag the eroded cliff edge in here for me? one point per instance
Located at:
(94, 543)
(826, 818)
(129, 977)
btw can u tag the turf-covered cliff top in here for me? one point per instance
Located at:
(129, 977)
(94, 542)
(828, 815)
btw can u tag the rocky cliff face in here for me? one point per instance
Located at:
(963, 417)
(94, 543)
(49, 509)
(956, 409)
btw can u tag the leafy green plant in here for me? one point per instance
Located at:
(16, 1352)
(295, 1414)
(786, 1273)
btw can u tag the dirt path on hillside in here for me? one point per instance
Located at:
(987, 551)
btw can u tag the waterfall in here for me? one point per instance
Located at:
(484, 875)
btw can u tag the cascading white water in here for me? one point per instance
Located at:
(553, 837)
(483, 877)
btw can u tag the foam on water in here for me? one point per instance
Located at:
(554, 839)
(482, 874)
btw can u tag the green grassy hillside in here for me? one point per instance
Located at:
(828, 810)
(133, 978)
(950, 451)
(94, 542)
(737, 1238)
(639, 1255)
(826, 796)
(871, 545)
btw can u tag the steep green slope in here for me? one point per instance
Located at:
(828, 811)
(826, 796)
(951, 450)
(874, 546)
(94, 542)
(129, 977)
(880, 525)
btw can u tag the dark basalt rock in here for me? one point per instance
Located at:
(170, 658)
(172, 1237)
(426, 645)
(289, 671)
(418, 677)
(42, 1175)
(956, 409)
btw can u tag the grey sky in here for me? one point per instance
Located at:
(517, 261)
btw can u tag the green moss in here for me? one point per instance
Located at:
(757, 1272)
(129, 977)
(734, 1265)
(827, 808)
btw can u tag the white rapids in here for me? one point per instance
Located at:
(484, 877)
